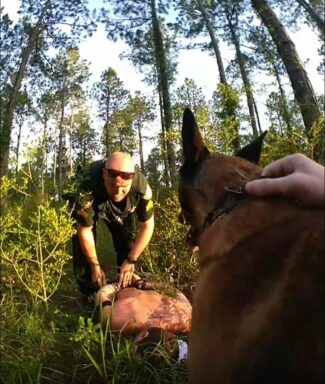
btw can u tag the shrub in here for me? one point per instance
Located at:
(33, 240)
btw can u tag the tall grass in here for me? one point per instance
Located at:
(52, 343)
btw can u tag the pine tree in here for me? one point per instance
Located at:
(141, 110)
(301, 85)
(68, 73)
(39, 30)
(111, 97)
(142, 29)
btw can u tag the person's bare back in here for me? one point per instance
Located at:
(134, 310)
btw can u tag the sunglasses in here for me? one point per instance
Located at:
(123, 175)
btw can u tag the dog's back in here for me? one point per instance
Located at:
(259, 307)
(258, 310)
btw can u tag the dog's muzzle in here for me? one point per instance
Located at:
(192, 236)
(192, 241)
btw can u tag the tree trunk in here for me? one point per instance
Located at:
(13, 97)
(314, 16)
(222, 74)
(44, 156)
(18, 145)
(244, 75)
(55, 158)
(70, 146)
(106, 132)
(163, 141)
(83, 158)
(60, 150)
(284, 104)
(214, 42)
(140, 146)
(162, 69)
(301, 85)
(257, 117)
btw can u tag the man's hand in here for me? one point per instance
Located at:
(126, 273)
(294, 176)
(141, 241)
(87, 243)
(98, 277)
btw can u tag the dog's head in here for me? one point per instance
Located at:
(204, 175)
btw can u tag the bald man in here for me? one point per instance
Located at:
(114, 190)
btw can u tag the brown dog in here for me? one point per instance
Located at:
(258, 310)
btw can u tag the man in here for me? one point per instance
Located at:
(113, 190)
(153, 318)
(133, 311)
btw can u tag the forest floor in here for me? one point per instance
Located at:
(61, 346)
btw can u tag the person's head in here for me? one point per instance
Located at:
(118, 172)
(106, 293)
(156, 344)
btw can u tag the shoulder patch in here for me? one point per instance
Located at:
(149, 206)
(87, 204)
(84, 200)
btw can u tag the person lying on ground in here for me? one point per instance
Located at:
(294, 176)
(132, 310)
(155, 344)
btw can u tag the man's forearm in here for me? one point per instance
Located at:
(142, 239)
(87, 243)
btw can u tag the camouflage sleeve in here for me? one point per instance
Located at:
(83, 211)
(145, 207)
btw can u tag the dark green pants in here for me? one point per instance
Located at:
(123, 238)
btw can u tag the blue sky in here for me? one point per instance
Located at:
(194, 64)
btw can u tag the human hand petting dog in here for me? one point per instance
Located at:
(294, 176)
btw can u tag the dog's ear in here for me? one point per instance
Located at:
(252, 151)
(193, 146)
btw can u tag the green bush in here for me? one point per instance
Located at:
(33, 241)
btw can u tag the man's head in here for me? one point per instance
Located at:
(156, 344)
(118, 173)
(107, 293)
